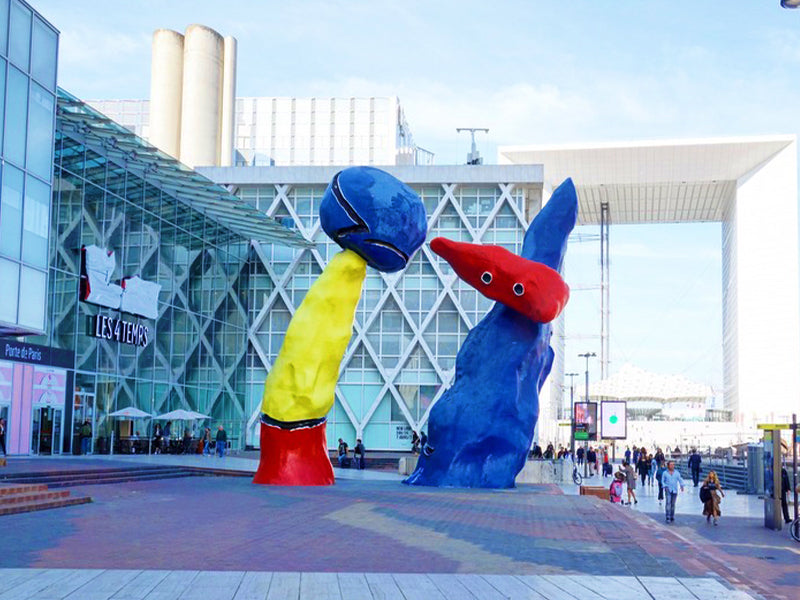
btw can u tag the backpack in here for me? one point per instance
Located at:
(705, 494)
(615, 491)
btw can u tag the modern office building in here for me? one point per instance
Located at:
(285, 131)
(28, 57)
(409, 325)
(749, 186)
(147, 301)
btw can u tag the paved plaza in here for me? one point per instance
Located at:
(371, 537)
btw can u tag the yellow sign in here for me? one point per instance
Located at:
(775, 426)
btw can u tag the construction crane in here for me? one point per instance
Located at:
(474, 157)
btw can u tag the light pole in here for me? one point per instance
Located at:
(587, 356)
(572, 377)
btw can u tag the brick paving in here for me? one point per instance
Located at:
(226, 523)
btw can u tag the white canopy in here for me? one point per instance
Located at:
(634, 383)
(131, 413)
(182, 415)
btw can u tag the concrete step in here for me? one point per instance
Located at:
(21, 488)
(21, 507)
(24, 498)
(117, 478)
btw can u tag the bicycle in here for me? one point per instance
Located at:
(576, 476)
(794, 530)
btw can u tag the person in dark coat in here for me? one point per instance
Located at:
(358, 452)
(694, 466)
(643, 467)
(785, 487)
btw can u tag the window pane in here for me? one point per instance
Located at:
(3, 25)
(40, 132)
(9, 275)
(43, 59)
(36, 223)
(19, 45)
(2, 86)
(33, 289)
(16, 116)
(11, 212)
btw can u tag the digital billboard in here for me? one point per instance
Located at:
(613, 420)
(585, 419)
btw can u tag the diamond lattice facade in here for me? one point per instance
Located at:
(410, 325)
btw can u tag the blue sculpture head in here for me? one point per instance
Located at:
(375, 215)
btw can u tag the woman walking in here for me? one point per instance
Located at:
(710, 497)
(630, 480)
(643, 466)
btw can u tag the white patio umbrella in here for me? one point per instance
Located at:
(131, 413)
(182, 415)
(128, 412)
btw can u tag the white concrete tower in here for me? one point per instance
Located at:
(228, 113)
(203, 50)
(166, 86)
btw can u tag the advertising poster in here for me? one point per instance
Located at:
(614, 420)
(586, 421)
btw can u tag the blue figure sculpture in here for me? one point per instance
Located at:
(374, 214)
(480, 431)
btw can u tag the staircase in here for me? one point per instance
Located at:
(75, 477)
(19, 498)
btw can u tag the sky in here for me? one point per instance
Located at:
(533, 72)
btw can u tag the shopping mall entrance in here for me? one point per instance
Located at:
(46, 430)
(83, 409)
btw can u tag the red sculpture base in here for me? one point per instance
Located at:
(294, 456)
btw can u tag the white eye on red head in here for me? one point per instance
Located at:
(519, 289)
(486, 277)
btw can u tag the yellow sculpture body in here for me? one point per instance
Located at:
(302, 381)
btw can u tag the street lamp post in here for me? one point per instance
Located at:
(587, 356)
(572, 377)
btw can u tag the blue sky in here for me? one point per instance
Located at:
(535, 72)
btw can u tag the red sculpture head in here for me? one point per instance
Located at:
(528, 287)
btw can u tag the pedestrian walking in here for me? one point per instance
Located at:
(591, 459)
(651, 475)
(3, 435)
(672, 481)
(643, 467)
(785, 487)
(630, 480)
(659, 472)
(359, 451)
(627, 455)
(694, 465)
(710, 497)
(207, 442)
(222, 441)
(579, 453)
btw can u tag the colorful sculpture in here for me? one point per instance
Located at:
(379, 221)
(481, 429)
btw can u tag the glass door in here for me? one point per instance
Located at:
(83, 409)
(46, 430)
(36, 430)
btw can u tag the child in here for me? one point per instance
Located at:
(615, 490)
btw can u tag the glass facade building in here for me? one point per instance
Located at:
(410, 325)
(28, 58)
(151, 218)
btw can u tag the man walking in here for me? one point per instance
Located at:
(579, 454)
(694, 465)
(359, 451)
(671, 480)
(222, 441)
(591, 459)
